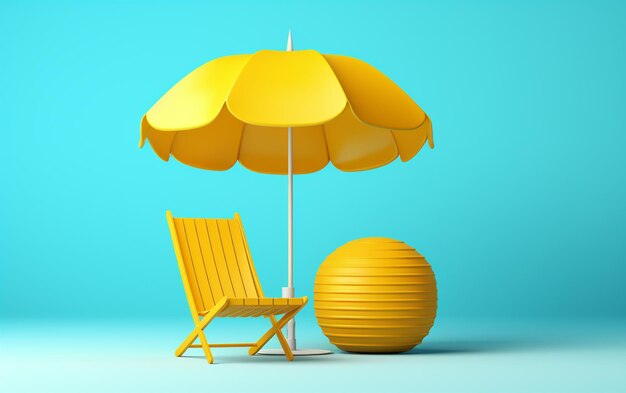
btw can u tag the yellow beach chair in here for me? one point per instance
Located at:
(220, 281)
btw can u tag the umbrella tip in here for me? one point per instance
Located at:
(289, 42)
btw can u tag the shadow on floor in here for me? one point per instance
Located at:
(429, 348)
(443, 347)
(475, 346)
(236, 359)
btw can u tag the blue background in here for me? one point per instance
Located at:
(519, 209)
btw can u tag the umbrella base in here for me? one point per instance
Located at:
(296, 352)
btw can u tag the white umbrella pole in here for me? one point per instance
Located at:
(288, 292)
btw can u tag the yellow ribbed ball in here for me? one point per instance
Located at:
(375, 295)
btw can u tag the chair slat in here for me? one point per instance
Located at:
(231, 311)
(255, 276)
(191, 274)
(240, 310)
(209, 260)
(281, 309)
(242, 259)
(231, 258)
(197, 258)
(220, 258)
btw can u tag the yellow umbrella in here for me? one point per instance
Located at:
(290, 112)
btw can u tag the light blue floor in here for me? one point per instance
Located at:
(485, 356)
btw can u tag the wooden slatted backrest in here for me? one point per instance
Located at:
(214, 260)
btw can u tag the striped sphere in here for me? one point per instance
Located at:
(375, 295)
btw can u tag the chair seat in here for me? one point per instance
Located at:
(256, 307)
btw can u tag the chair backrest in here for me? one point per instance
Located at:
(214, 260)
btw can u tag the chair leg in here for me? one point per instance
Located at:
(275, 328)
(194, 334)
(281, 338)
(198, 332)
(205, 347)
(182, 348)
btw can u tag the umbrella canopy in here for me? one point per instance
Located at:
(286, 113)
(238, 108)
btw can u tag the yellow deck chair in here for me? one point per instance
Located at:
(220, 281)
